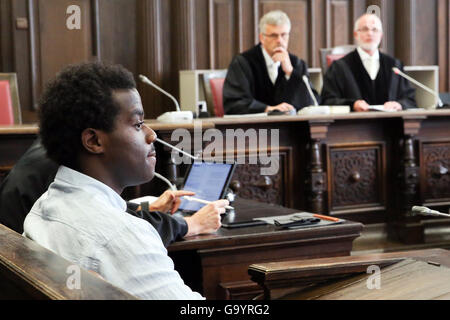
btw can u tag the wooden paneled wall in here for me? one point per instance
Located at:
(159, 37)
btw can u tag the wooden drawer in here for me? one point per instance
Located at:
(274, 189)
(435, 172)
(356, 177)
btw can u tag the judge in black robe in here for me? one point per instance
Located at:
(347, 81)
(267, 77)
(359, 84)
(248, 88)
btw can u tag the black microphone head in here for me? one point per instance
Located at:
(444, 106)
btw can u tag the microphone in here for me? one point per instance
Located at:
(306, 81)
(420, 85)
(428, 212)
(171, 186)
(320, 110)
(175, 116)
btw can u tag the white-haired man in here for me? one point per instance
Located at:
(267, 77)
(364, 77)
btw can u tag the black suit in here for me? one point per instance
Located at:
(31, 177)
(248, 88)
(347, 81)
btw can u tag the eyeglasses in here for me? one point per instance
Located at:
(274, 36)
(366, 30)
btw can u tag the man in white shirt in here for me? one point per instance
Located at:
(267, 77)
(364, 77)
(92, 125)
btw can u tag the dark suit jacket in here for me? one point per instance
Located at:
(248, 89)
(32, 175)
(342, 82)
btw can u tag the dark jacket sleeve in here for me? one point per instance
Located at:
(333, 90)
(169, 227)
(237, 93)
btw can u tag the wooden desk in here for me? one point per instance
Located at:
(370, 167)
(217, 264)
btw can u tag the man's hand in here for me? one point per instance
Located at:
(169, 201)
(393, 105)
(360, 105)
(282, 55)
(284, 107)
(207, 219)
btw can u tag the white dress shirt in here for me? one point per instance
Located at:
(371, 63)
(84, 221)
(272, 66)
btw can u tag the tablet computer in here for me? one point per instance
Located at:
(209, 181)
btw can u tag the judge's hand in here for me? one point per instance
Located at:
(393, 105)
(284, 107)
(282, 55)
(207, 219)
(169, 201)
(360, 105)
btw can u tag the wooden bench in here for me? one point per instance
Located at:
(29, 271)
(335, 278)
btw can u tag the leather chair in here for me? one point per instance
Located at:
(9, 100)
(329, 55)
(6, 109)
(213, 83)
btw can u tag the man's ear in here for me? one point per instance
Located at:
(260, 36)
(91, 140)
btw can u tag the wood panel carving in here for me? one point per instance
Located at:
(356, 176)
(254, 186)
(340, 26)
(436, 171)
(249, 183)
(54, 45)
(223, 29)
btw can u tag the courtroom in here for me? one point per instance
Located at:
(238, 153)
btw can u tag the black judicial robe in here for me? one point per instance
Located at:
(347, 81)
(248, 88)
(31, 177)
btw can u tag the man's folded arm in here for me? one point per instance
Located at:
(332, 93)
(169, 227)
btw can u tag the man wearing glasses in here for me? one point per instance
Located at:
(364, 77)
(267, 77)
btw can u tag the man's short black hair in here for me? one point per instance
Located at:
(79, 97)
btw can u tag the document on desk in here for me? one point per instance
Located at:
(247, 115)
(299, 220)
(379, 108)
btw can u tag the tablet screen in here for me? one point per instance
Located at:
(208, 180)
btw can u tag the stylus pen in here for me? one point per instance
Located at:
(175, 148)
(189, 198)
